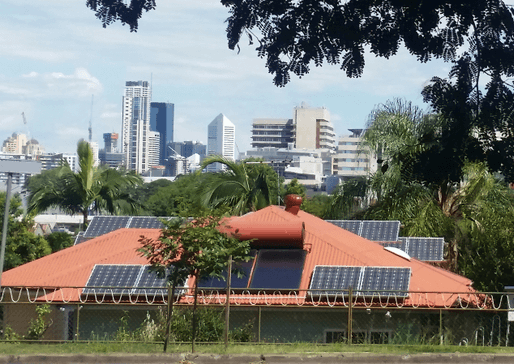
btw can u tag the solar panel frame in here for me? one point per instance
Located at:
(116, 279)
(376, 230)
(365, 281)
(145, 222)
(101, 225)
(384, 280)
(353, 226)
(337, 278)
(274, 276)
(427, 249)
(148, 278)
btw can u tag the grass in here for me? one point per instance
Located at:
(297, 348)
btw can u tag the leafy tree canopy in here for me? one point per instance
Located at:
(292, 35)
(22, 245)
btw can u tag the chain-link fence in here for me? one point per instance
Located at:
(483, 323)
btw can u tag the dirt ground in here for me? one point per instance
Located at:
(255, 359)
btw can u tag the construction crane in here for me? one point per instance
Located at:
(24, 119)
(90, 129)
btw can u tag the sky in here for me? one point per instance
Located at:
(63, 70)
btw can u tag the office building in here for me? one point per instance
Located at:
(154, 148)
(310, 128)
(352, 159)
(221, 141)
(111, 142)
(187, 148)
(162, 116)
(136, 125)
(277, 133)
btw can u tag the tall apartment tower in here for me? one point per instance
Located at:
(136, 125)
(221, 140)
(162, 115)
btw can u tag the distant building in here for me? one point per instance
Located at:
(277, 133)
(136, 125)
(110, 154)
(221, 141)
(352, 158)
(111, 142)
(20, 144)
(154, 148)
(162, 115)
(188, 148)
(310, 128)
(94, 149)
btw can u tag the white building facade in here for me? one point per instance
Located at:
(136, 125)
(352, 158)
(221, 139)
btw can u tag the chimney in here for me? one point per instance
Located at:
(293, 203)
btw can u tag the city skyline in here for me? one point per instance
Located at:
(52, 64)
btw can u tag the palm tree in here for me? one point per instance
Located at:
(241, 187)
(98, 189)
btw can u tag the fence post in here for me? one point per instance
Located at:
(259, 324)
(77, 325)
(441, 326)
(227, 306)
(350, 315)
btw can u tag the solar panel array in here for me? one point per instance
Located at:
(278, 269)
(124, 280)
(235, 282)
(371, 229)
(366, 281)
(425, 249)
(101, 225)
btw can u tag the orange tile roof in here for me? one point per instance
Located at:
(327, 244)
(72, 266)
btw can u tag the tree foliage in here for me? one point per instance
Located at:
(22, 245)
(242, 187)
(99, 189)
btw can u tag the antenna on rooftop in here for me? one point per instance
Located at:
(90, 129)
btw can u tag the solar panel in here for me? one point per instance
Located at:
(364, 280)
(426, 249)
(380, 230)
(101, 225)
(353, 226)
(335, 277)
(278, 269)
(112, 276)
(235, 281)
(376, 279)
(149, 278)
(146, 222)
(371, 229)
(80, 238)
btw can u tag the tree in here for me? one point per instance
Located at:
(292, 35)
(195, 248)
(59, 240)
(22, 245)
(97, 189)
(242, 187)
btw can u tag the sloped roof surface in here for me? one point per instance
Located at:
(72, 266)
(330, 245)
(326, 244)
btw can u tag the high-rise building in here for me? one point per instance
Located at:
(221, 139)
(15, 144)
(154, 148)
(111, 142)
(136, 125)
(310, 128)
(162, 116)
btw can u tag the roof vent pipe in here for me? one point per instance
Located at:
(293, 203)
